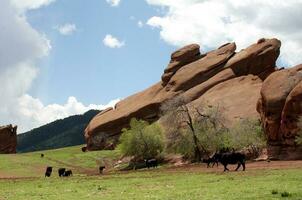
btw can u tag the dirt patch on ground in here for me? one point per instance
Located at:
(250, 166)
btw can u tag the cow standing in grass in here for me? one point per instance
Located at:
(61, 172)
(48, 171)
(151, 163)
(230, 158)
(67, 173)
(101, 169)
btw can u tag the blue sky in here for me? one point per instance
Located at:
(64, 57)
(81, 65)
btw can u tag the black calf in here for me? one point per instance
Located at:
(231, 158)
(67, 173)
(61, 171)
(48, 171)
(151, 163)
(209, 161)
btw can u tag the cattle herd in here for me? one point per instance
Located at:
(62, 172)
(223, 157)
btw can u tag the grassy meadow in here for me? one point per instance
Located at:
(22, 177)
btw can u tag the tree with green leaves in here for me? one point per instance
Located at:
(142, 140)
(187, 127)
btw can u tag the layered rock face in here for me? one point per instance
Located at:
(280, 108)
(222, 76)
(8, 139)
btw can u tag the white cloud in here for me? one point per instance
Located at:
(214, 22)
(67, 29)
(32, 113)
(21, 47)
(112, 42)
(140, 24)
(30, 4)
(114, 2)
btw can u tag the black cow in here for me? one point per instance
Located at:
(67, 173)
(151, 163)
(231, 158)
(61, 171)
(84, 149)
(101, 168)
(210, 160)
(48, 171)
(42, 155)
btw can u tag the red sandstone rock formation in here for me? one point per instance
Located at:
(280, 108)
(8, 139)
(223, 76)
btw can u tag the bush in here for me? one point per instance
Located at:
(248, 134)
(141, 140)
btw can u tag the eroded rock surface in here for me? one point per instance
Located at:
(280, 108)
(224, 76)
(8, 139)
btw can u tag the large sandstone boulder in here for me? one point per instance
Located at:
(232, 79)
(8, 139)
(280, 108)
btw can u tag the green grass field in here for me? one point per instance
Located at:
(22, 178)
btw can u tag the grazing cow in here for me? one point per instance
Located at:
(61, 171)
(151, 163)
(210, 160)
(67, 173)
(101, 168)
(48, 171)
(231, 158)
(42, 155)
(84, 149)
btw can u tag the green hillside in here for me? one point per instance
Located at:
(32, 165)
(57, 134)
(22, 177)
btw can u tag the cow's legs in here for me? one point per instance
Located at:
(225, 168)
(243, 165)
(238, 166)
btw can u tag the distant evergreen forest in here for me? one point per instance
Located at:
(57, 134)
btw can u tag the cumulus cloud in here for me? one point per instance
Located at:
(30, 4)
(214, 22)
(33, 113)
(112, 42)
(114, 3)
(67, 29)
(21, 47)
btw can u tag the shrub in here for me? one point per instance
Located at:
(141, 140)
(248, 134)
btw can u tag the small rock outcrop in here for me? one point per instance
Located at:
(8, 139)
(224, 76)
(280, 109)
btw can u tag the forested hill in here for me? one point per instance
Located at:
(57, 134)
